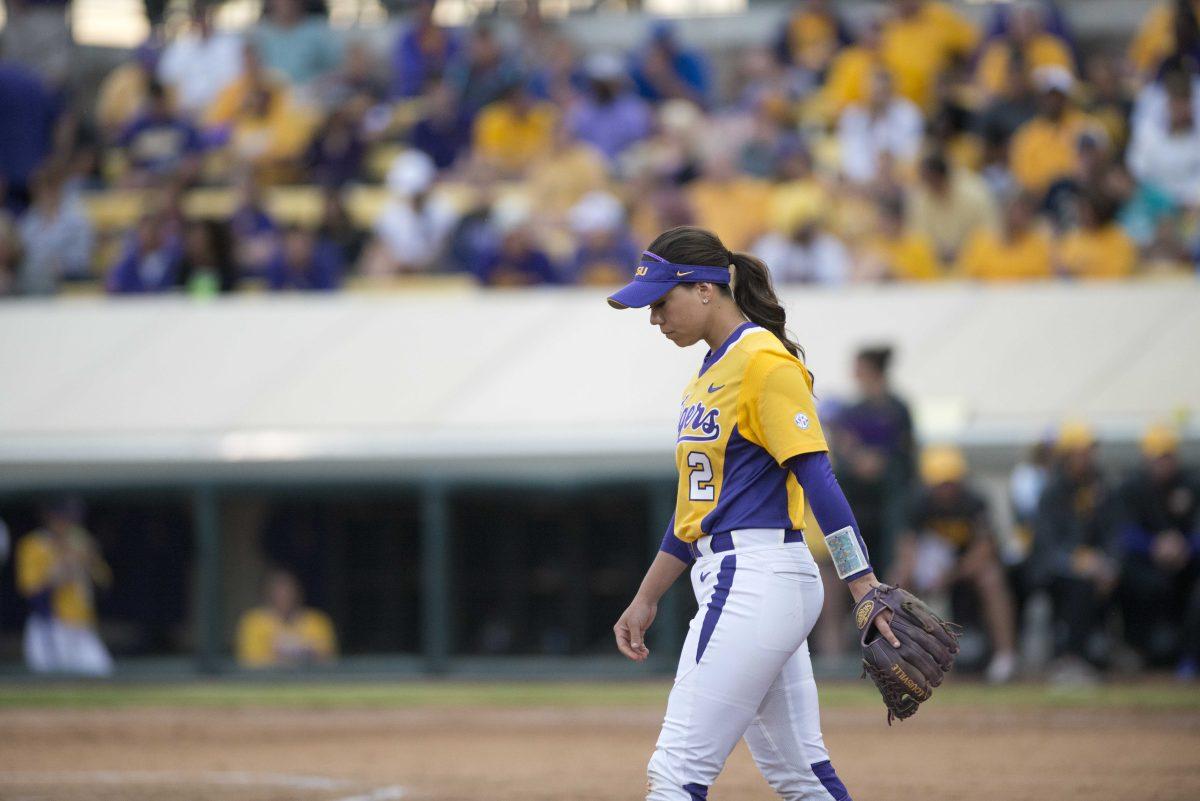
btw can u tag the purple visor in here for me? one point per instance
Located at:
(655, 276)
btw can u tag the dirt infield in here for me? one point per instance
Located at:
(586, 752)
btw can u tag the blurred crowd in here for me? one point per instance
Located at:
(1088, 570)
(903, 144)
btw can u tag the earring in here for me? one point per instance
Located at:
(704, 300)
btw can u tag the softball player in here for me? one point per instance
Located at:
(56, 569)
(751, 455)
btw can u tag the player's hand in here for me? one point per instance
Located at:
(859, 588)
(881, 623)
(630, 629)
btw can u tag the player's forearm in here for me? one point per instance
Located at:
(663, 572)
(832, 511)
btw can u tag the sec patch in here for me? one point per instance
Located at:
(802, 421)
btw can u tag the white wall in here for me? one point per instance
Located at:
(499, 382)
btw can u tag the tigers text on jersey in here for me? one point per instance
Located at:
(747, 412)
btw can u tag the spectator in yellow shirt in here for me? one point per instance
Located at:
(1020, 251)
(1157, 38)
(799, 187)
(515, 130)
(1028, 41)
(124, 91)
(731, 205)
(264, 126)
(1045, 149)
(848, 81)
(57, 569)
(920, 41)
(566, 171)
(896, 254)
(1099, 248)
(813, 35)
(1108, 99)
(270, 133)
(284, 633)
(255, 76)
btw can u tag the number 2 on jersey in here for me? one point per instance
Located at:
(700, 478)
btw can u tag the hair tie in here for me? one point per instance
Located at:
(729, 256)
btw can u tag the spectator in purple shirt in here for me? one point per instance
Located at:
(422, 53)
(444, 132)
(255, 233)
(26, 129)
(305, 262)
(515, 259)
(338, 227)
(160, 144)
(874, 440)
(605, 247)
(609, 116)
(666, 70)
(151, 261)
(335, 156)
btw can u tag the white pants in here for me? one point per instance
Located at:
(745, 672)
(52, 646)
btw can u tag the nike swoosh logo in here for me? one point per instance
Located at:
(704, 576)
(711, 388)
(681, 275)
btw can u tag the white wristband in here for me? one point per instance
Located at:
(847, 552)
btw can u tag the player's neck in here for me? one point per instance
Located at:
(722, 328)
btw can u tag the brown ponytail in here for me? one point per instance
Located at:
(755, 296)
(750, 287)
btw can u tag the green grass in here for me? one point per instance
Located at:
(403, 693)
(408, 693)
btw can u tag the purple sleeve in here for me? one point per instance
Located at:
(675, 546)
(825, 496)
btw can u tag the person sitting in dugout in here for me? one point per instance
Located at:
(1159, 537)
(950, 542)
(284, 633)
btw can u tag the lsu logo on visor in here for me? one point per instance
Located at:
(641, 271)
(698, 423)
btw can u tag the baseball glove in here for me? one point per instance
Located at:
(905, 676)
